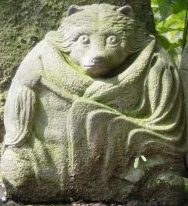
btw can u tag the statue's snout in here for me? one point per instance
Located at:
(97, 60)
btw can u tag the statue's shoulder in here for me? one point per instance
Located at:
(39, 53)
(161, 59)
(31, 66)
(40, 49)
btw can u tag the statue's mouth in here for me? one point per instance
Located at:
(95, 70)
(94, 66)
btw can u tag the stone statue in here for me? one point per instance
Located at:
(95, 113)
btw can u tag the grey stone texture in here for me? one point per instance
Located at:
(95, 112)
(24, 23)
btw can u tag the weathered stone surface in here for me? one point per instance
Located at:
(24, 23)
(95, 113)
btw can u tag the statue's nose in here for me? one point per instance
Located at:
(97, 60)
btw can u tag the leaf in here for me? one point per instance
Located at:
(143, 158)
(176, 20)
(71, 199)
(178, 5)
(163, 41)
(136, 162)
(165, 8)
(169, 7)
(170, 22)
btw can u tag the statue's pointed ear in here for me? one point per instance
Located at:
(73, 9)
(126, 10)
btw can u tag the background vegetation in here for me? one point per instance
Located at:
(171, 24)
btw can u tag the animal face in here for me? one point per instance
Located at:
(98, 52)
(99, 39)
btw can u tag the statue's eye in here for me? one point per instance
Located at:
(111, 40)
(84, 39)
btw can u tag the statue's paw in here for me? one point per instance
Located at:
(28, 180)
(17, 173)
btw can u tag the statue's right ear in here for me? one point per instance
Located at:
(73, 9)
(126, 10)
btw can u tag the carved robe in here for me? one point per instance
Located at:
(136, 112)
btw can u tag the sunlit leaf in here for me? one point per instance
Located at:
(165, 8)
(170, 23)
(163, 41)
(143, 158)
(178, 5)
(136, 162)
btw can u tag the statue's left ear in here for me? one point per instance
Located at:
(126, 10)
(73, 9)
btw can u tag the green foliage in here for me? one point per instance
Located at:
(139, 162)
(170, 18)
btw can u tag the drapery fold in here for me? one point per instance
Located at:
(139, 111)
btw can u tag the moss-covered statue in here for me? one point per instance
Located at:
(95, 113)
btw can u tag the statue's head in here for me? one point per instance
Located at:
(100, 37)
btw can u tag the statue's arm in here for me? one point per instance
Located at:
(20, 104)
